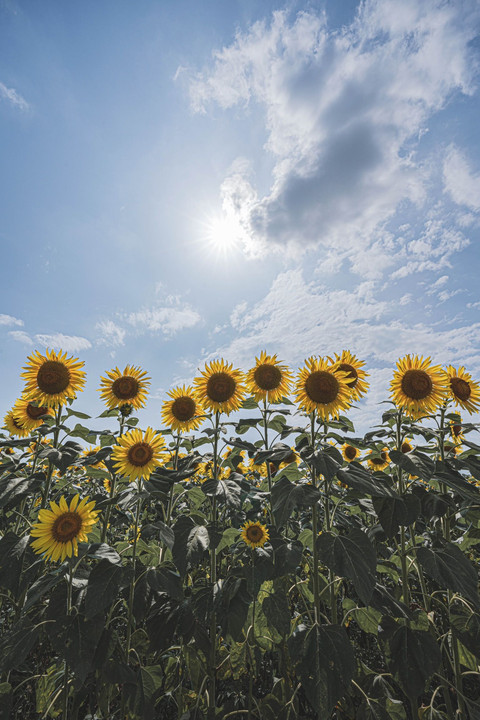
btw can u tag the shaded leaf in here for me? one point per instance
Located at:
(352, 556)
(449, 567)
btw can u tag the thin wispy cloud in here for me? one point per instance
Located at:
(109, 333)
(167, 320)
(59, 341)
(461, 182)
(11, 96)
(10, 320)
(21, 336)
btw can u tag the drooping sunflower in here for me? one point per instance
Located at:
(461, 389)
(381, 461)
(53, 378)
(294, 457)
(220, 388)
(137, 455)
(269, 380)
(90, 452)
(350, 452)
(60, 529)
(183, 412)
(406, 446)
(321, 386)
(417, 386)
(129, 387)
(30, 414)
(254, 534)
(14, 426)
(355, 375)
(260, 469)
(456, 429)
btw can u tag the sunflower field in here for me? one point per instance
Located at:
(252, 557)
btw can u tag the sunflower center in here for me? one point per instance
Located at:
(183, 408)
(53, 377)
(35, 412)
(267, 377)
(460, 388)
(456, 430)
(350, 452)
(352, 375)
(220, 387)
(254, 533)
(380, 460)
(322, 387)
(290, 458)
(417, 384)
(140, 454)
(125, 388)
(406, 447)
(66, 527)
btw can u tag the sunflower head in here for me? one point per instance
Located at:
(124, 389)
(90, 452)
(350, 452)
(182, 412)
(379, 461)
(269, 380)
(354, 373)
(60, 529)
(14, 425)
(220, 387)
(456, 428)
(30, 414)
(406, 446)
(136, 455)
(53, 378)
(321, 386)
(417, 386)
(254, 534)
(461, 389)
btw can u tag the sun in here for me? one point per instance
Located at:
(223, 233)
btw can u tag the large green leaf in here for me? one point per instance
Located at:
(326, 462)
(412, 655)
(226, 490)
(75, 639)
(277, 611)
(445, 473)
(325, 662)
(165, 579)
(451, 569)
(466, 627)
(397, 511)
(14, 489)
(352, 556)
(104, 583)
(415, 463)
(357, 477)
(17, 643)
(286, 496)
(191, 541)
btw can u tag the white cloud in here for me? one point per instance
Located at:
(13, 97)
(21, 336)
(344, 112)
(10, 320)
(110, 333)
(460, 182)
(67, 343)
(168, 319)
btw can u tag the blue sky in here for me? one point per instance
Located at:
(182, 181)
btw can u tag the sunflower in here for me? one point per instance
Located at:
(294, 457)
(90, 452)
(204, 471)
(461, 389)
(350, 452)
(418, 387)
(322, 387)
(137, 455)
(183, 412)
(260, 469)
(220, 387)
(127, 388)
(380, 461)
(254, 534)
(269, 380)
(406, 446)
(59, 530)
(53, 378)
(355, 376)
(14, 426)
(456, 429)
(30, 414)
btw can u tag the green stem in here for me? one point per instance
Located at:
(269, 472)
(252, 656)
(168, 516)
(401, 490)
(132, 583)
(213, 580)
(46, 493)
(316, 589)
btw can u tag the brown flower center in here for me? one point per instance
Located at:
(125, 388)
(53, 377)
(406, 447)
(380, 460)
(267, 377)
(66, 527)
(456, 430)
(352, 375)
(35, 412)
(254, 533)
(417, 384)
(350, 452)
(183, 408)
(460, 388)
(322, 387)
(140, 454)
(220, 387)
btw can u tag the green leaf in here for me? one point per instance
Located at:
(444, 472)
(397, 511)
(286, 496)
(352, 556)
(277, 612)
(357, 477)
(415, 463)
(6, 697)
(17, 643)
(466, 627)
(326, 462)
(325, 662)
(104, 583)
(449, 567)
(226, 490)
(75, 639)
(191, 541)
(165, 579)
(412, 656)
(14, 489)
(229, 537)
(75, 413)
